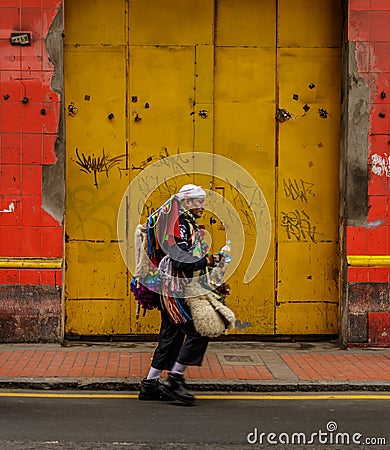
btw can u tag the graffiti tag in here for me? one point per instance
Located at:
(298, 189)
(98, 164)
(381, 165)
(297, 225)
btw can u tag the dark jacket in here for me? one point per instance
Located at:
(181, 253)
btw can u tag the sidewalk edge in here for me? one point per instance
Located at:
(131, 385)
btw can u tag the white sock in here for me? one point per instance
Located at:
(178, 368)
(154, 374)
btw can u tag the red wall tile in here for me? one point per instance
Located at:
(52, 242)
(379, 144)
(9, 55)
(377, 240)
(49, 154)
(30, 276)
(357, 275)
(359, 5)
(11, 216)
(32, 180)
(380, 5)
(32, 85)
(378, 83)
(378, 209)
(377, 185)
(31, 20)
(359, 26)
(356, 241)
(32, 146)
(380, 26)
(48, 220)
(48, 94)
(380, 57)
(379, 118)
(59, 276)
(31, 241)
(10, 149)
(32, 211)
(9, 276)
(51, 118)
(32, 120)
(378, 275)
(10, 182)
(379, 327)
(31, 3)
(48, 277)
(10, 241)
(10, 85)
(32, 56)
(10, 116)
(9, 20)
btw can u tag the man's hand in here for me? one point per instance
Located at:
(224, 289)
(213, 260)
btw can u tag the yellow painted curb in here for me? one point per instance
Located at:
(30, 263)
(368, 261)
(205, 397)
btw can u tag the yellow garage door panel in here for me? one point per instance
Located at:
(95, 22)
(246, 22)
(97, 317)
(309, 23)
(162, 91)
(171, 22)
(307, 318)
(307, 271)
(244, 106)
(253, 303)
(244, 103)
(307, 199)
(90, 99)
(95, 270)
(97, 160)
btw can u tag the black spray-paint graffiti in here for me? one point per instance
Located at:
(298, 189)
(297, 225)
(98, 164)
(176, 165)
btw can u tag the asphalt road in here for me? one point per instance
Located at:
(109, 421)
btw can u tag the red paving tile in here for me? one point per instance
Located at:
(340, 366)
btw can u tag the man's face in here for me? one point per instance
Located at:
(195, 205)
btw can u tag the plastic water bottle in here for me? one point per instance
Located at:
(218, 272)
(226, 253)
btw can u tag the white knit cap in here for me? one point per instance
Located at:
(191, 191)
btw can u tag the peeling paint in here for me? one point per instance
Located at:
(53, 175)
(11, 208)
(242, 325)
(358, 126)
(375, 223)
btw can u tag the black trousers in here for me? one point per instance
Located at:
(181, 343)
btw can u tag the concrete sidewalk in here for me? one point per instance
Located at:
(228, 366)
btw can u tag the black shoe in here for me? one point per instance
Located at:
(175, 385)
(152, 390)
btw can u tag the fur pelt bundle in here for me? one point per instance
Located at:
(211, 317)
(141, 255)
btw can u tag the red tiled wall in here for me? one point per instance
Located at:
(28, 132)
(369, 28)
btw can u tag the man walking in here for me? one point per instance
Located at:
(179, 344)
